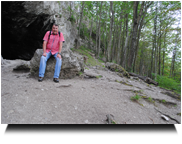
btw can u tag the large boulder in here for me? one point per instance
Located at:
(2, 61)
(72, 64)
(117, 68)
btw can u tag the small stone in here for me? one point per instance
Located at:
(165, 117)
(10, 111)
(42, 89)
(86, 121)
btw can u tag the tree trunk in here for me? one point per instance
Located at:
(160, 52)
(105, 33)
(90, 38)
(119, 41)
(96, 40)
(134, 35)
(105, 43)
(174, 56)
(125, 44)
(114, 42)
(160, 37)
(155, 44)
(122, 47)
(128, 49)
(137, 31)
(99, 30)
(81, 15)
(141, 61)
(164, 53)
(70, 8)
(110, 33)
(144, 78)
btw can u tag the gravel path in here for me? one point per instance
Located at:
(24, 100)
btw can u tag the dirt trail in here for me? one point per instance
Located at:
(24, 100)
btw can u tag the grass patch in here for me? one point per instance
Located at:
(80, 73)
(163, 101)
(179, 114)
(116, 70)
(86, 68)
(135, 98)
(150, 99)
(114, 61)
(98, 76)
(90, 61)
(100, 61)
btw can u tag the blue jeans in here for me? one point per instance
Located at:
(43, 62)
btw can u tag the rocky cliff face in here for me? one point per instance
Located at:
(25, 23)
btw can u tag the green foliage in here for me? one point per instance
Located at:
(169, 83)
(150, 99)
(72, 49)
(114, 61)
(90, 61)
(72, 19)
(163, 101)
(116, 70)
(84, 32)
(98, 76)
(59, 3)
(100, 61)
(168, 15)
(86, 68)
(80, 73)
(135, 98)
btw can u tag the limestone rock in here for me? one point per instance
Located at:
(72, 64)
(104, 59)
(117, 68)
(23, 66)
(2, 62)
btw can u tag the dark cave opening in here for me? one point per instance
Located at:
(21, 32)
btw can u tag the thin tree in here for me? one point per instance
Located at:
(81, 15)
(155, 35)
(110, 32)
(99, 29)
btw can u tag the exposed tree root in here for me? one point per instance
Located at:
(168, 116)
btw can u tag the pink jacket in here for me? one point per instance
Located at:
(53, 43)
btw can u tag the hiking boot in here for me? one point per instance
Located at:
(56, 80)
(40, 79)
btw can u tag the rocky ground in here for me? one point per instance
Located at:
(82, 100)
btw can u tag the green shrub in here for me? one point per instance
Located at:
(90, 61)
(150, 99)
(98, 76)
(100, 61)
(169, 83)
(135, 98)
(163, 101)
(116, 70)
(114, 61)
